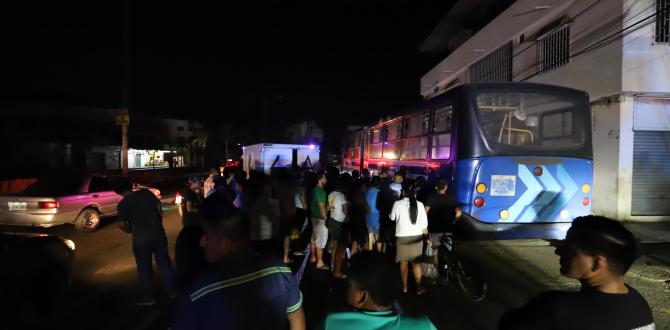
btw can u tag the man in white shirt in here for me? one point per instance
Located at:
(338, 207)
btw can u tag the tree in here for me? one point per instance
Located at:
(304, 133)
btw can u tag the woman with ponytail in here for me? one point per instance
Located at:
(411, 229)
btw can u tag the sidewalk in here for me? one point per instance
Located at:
(655, 238)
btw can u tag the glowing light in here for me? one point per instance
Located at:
(586, 188)
(69, 243)
(311, 146)
(48, 205)
(390, 155)
(564, 214)
(434, 165)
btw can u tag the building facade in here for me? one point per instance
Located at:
(42, 138)
(616, 50)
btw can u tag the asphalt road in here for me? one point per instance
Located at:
(105, 285)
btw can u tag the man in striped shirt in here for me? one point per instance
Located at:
(244, 290)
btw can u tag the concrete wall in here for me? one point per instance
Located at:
(625, 176)
(606, 138)
(645, 71)
(598, 72)
(646, 65)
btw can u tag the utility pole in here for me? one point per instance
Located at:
(265, 107)
(123, 119)
(226, 129)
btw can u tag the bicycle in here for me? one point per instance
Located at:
(464, 274)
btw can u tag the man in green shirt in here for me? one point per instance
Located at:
(372, 287)
(318, 216)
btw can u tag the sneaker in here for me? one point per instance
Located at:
(145, 302)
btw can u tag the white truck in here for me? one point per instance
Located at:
(264, 157)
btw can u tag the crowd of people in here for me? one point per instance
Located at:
(241, 232)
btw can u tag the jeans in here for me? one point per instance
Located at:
(143, 253)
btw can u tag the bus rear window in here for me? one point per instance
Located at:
(529, 119)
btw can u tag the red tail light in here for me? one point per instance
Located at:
(48, 205)
(177, 195)
(479, 202)
(538, 171)
(586, 201)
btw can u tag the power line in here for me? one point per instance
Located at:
(581, 52)
(604, 41)
(591, 6)
(539, 64)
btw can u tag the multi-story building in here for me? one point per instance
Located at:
(616, 50)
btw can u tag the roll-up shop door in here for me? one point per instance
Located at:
(651, 158)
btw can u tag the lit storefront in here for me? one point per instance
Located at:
(138, 158)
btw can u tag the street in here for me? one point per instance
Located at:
(508, 119)
(103, 292)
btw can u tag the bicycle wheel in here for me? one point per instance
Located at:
(469, 280)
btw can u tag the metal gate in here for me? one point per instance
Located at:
(651, 173)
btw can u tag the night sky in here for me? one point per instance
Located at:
(278, 62)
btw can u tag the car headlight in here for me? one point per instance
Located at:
(69, 243)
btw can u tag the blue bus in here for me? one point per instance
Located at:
(517, 156)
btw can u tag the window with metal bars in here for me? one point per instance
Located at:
(662, 21)
(553, 49)
(496, 66)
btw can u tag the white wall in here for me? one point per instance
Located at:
(646, 66)
(606, 154)
(625, 177)
(597, 72)
(645, 70)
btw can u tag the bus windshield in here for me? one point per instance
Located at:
(530, 120)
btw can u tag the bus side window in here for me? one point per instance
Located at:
(442, 133)
(417, 125)
(394, 131)
(425, 122)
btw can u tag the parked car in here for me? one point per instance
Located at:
(36, 272)
(82, 200)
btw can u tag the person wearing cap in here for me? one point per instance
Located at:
(597, 252)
